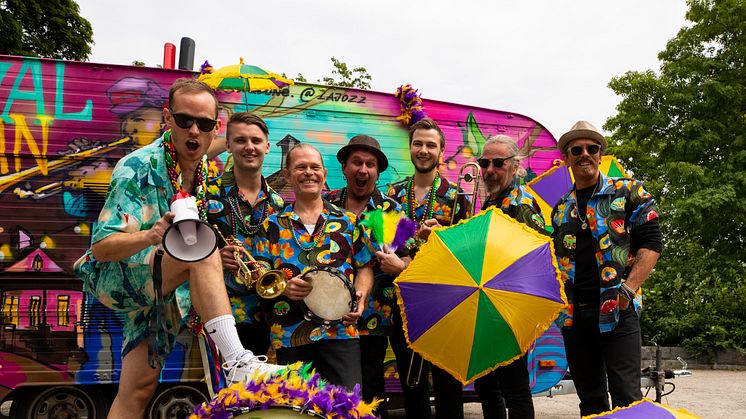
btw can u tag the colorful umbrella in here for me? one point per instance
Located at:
(549, 187)
(645, 408)
(243, 78)
(479, 293)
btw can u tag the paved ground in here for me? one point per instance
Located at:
(708, 394)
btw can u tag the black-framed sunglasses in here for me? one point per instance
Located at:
(185, 121)
(591, 149)
(497, 162)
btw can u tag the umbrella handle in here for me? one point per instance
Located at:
(414, 381)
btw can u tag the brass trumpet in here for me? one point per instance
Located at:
(270, 284)
(467, 176)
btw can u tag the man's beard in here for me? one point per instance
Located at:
(427, 170)
(492, 189)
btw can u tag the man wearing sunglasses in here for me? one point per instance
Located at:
(500, 165)
(126, 270)
(607, 241)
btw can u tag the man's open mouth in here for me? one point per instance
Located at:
(192, 145)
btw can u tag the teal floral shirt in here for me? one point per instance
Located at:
(237, 218)
(139, 195)
(376, 319)
(613, 213)
(283, 243)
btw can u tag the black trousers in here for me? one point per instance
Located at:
(337, 360)
(449, 399)
(507, 385)
(254, 337)
(372, 354)
(595, 357)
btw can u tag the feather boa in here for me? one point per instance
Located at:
(389, 228)
(298, 386)
(411, 104)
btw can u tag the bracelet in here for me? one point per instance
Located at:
(626, 291)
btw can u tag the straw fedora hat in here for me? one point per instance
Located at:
(367, 143)
(585, 130)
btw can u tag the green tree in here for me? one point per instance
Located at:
(342, 76)
(683, 132)
(49, 28)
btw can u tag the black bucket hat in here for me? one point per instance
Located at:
(367, 143)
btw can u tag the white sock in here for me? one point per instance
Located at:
(222, 330)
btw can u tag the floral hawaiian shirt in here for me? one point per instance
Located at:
(376, 319)
(445, 197)
(235, 217)
(139, 195)
(613, 213)
(516, 202)
(283, 243)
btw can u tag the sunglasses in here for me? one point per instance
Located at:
(591, 149)
(497, 162)
(185, 121)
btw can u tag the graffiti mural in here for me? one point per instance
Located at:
(63, 127)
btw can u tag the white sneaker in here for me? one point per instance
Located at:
(246, 365)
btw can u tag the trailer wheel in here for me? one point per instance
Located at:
(176, 402)
(60, 402)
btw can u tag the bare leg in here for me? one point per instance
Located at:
(206, 285)
(137, 384)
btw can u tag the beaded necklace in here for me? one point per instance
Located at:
(411, 202)
(317, 237)
(584, 221)
(343, 201)
(247, 221)
(174, 174)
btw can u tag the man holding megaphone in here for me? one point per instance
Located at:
(126, 270)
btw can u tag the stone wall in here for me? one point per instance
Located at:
(729, 359)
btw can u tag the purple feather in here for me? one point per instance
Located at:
(405, 230)
(205, 68)
(417, 116)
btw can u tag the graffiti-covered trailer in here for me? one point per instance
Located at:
(63, 127)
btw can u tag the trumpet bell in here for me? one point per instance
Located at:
(271, 284)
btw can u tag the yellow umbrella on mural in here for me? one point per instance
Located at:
(244, 78)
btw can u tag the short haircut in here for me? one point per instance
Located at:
(512, 149)
(427, 123)
(247, 118)
(288, 159)
(188, 85)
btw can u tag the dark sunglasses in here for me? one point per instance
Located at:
(591, 149)
(185, 121)
(498, 163)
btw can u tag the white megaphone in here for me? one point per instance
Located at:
(188, 239)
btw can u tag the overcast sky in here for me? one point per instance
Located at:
(549, 60)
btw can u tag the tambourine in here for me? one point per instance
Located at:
(332, 296)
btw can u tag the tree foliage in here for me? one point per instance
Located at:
(683, 132)
(342, 76)
(49, 28)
